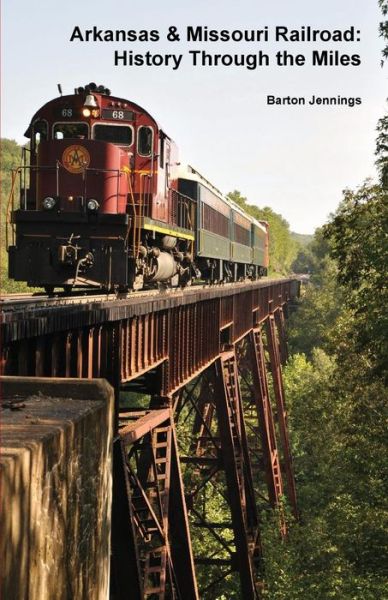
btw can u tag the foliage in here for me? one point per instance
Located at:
(382, 125)
(382, 150)
(282, 247)
(384, 27)
(303, 239)
(10, 158)
(358, 237)
(304, 261)
(310, 326)
(310, 256)
(304, 380)
(338, 412)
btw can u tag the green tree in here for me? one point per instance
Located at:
(382, 150)
(338, 411)
(384, 27)
(310, 256)
(358, 240)
(10, 158)
(382, 125)
(310, 326)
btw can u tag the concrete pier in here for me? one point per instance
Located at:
(55, 496)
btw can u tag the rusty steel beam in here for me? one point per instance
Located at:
(223, 463)
(262, 439)
(126, 581)
(132, 432)
(229, 417)
(282, 338)
(265, 418)
(159, 345)
(275, 365)
(212, 472)
(165, 332)
(157, 508)
(180, 544)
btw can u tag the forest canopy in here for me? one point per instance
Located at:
(338, 406)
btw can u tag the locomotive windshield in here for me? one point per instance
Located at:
(70, 130)
(116, 134)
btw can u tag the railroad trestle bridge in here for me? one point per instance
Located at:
(201, 430)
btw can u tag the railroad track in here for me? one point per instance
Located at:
(9, 302)
(26, 301)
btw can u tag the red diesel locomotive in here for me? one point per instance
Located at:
(105, 204)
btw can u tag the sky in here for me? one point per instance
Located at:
(295, 159)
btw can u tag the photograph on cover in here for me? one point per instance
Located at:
(194, 209)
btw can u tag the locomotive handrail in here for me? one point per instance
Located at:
(118, 173)
(127, 171)
(183, 209)
(10, 208)
(24, 161)
(11, 201)
(57, 165)
(142, 198)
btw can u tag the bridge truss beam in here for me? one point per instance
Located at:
(210, 436)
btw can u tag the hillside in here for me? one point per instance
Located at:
(302, 238)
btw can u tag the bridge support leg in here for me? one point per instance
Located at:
(281, 329)
(265, 419)
(275, 364)
(156, 561)
(125, 568)
(181, 551)
(238, 470)
(220, 467)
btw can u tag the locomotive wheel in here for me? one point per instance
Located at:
(120, 290)
(185, 282)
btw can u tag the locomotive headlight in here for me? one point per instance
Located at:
(49, 203)
(93, 205)
(86, 112)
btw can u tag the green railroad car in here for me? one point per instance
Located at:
(230, 244)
